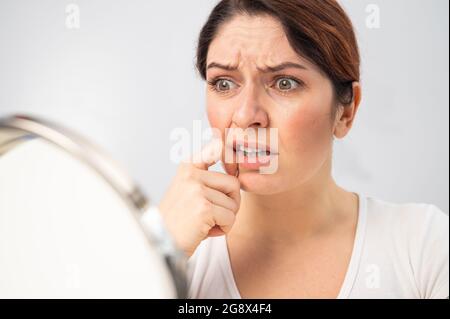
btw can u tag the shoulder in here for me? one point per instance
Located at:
(414, 221)
(416, 236)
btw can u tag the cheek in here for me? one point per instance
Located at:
(219, 116)
(308, 130)
(309, 126)
(307, 135)
(215, 119)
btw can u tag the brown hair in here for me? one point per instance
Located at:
(318, 30)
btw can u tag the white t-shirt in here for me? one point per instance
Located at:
(400, 251)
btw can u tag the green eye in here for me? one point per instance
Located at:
(286, 84)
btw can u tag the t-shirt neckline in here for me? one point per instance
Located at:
(352, 269)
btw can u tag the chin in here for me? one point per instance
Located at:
(260, 184)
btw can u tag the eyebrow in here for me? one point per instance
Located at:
(272, 69)
(225, 67)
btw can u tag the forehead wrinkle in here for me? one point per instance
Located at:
(246, 39)
(233, 50)
(259, 30)
(251, 23)
(261, 37)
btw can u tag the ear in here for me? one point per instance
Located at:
(346, 114)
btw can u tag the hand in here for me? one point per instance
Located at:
(199, 203)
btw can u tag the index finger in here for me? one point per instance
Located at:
(209, 155)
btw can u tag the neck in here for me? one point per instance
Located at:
(296, 214)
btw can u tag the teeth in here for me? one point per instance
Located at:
(241, 148)
(251, 151)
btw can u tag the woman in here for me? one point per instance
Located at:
(293, 65)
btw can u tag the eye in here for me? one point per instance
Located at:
(286, 84)
(222, 85)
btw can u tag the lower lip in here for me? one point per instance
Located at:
(254, 162)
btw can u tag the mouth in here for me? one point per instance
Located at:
(253, 155)
(252, 149)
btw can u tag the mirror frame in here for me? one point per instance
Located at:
(17, 129)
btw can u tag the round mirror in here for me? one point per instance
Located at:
(70, 221)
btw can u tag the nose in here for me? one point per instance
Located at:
(250, 111)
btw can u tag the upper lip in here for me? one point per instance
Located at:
(254, 145)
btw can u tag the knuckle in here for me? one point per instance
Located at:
(198, 190)
(205, 228)
(188, 172)
(205, 208)
(202, 190)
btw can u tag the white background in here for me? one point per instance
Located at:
(126, 79)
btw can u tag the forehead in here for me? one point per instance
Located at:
(257, 39)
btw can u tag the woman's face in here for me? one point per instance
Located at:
(270, 86)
